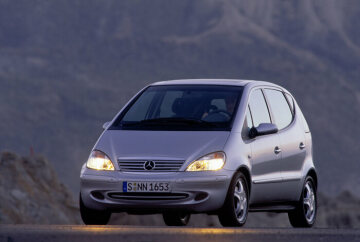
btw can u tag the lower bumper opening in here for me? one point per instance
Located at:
(147, 196)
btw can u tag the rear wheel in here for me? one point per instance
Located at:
(176, 218)
(93, 217)
(305, 213)
(235, 210)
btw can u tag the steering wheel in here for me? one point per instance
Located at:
(212, 108)
(226, 113)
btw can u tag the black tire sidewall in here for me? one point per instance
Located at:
(176, 218)
(297, 216)
(228, 209)
(93, 217)
(308, 179)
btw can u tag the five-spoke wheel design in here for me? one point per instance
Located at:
(235, 210)
(309, 201)
(240, 201)
(305, 213)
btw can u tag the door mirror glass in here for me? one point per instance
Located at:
(106, 125)
(263, 129)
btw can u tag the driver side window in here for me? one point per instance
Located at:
(259, 109)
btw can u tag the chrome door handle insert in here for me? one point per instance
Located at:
(277, 150)
(302, 146)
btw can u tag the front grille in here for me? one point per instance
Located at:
(157, 165)
(147, 196)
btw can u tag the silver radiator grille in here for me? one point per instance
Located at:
(150, 165)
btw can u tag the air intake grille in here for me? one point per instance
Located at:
(150, 165)
(148, 196)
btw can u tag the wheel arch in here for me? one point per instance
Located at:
(312, 173)
(246, 171)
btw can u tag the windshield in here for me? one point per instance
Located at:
(181, 107)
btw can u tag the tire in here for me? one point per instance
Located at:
(93, 217)
(236, 207)
(176, 218)
(304, 215)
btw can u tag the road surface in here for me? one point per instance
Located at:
(39, 233)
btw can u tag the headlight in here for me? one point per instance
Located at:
(210, 162)
(99, 161)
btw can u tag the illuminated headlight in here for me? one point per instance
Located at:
(99, 161)
(210, 162)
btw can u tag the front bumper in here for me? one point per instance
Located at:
(195, 192)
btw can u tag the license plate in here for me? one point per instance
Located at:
(146, 186)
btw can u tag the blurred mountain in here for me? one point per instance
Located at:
(31, 193)
(68, 66)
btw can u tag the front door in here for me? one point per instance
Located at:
(265, 158)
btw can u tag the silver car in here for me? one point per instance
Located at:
(223, 147)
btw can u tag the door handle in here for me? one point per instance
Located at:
(302, 146)
(277, 150)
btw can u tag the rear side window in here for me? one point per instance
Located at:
(279, 108)
(258, 107)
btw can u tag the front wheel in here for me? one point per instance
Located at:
(305, 213)
(176, 218)
(93, 217)
(235, 210)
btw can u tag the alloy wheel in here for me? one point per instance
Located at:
(240, 201)
(309, 202)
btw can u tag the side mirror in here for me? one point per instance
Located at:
(263, 129)
(106, 125)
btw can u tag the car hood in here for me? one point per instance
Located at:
(177, 145)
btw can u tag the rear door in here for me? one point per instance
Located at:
(266, 167)
(292, 141)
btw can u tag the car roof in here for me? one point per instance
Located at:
(229, 82)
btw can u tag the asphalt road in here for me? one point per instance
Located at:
(39, 233)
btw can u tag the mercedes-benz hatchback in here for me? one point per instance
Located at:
(222, 147)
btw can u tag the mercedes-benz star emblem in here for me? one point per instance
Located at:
(149, 165)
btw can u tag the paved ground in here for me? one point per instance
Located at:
(39, 233)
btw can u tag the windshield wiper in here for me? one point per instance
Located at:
(174, 120)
